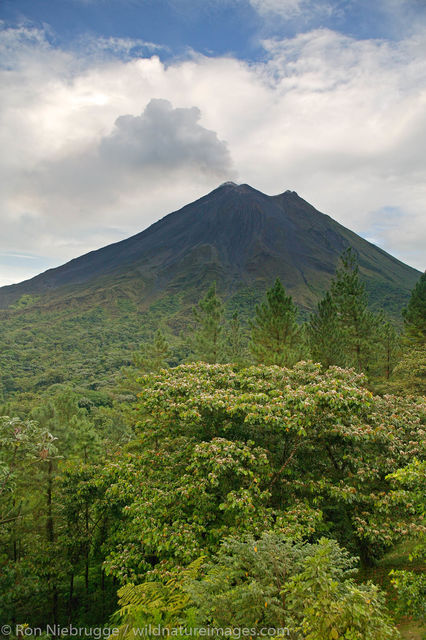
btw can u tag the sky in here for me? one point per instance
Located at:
(115, 112)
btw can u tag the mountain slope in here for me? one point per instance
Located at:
(236, 235)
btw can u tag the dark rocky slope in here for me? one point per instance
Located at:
(238, 236)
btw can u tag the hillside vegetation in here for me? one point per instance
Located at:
(230, 467)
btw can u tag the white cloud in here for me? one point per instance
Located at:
(125, 48)
(290, 9)
(285, 8)
(165, 138)
(91, 159)
(142, 156)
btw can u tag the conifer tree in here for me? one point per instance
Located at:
(207, 340)
(274, 330)
(388, 348)
(78, 440)
(324, 335)
(415, 314)
(235, 346)
(356, 322)
(153, 356)
(409, 375)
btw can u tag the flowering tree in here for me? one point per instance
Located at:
(298, 451)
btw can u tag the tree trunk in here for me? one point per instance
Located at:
(70, 597)
(50, 536)
(86, 558)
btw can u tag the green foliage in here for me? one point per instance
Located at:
(241, 586)
(63, 416)
(388, 350)
(184, 498)
(107, 477)
(344, 332)
(411, 590)
(50, 543)
(162, 603)
(355, 321)
(207, 339)
(85, 340)
(413, 478)
(415, 314)
(22, 443)
(324, 333)
(274, 330)
(235, 349)
(410, 482)
(153, 356)
(327, 443)
(25, 301)
(85, 347)
(409, 376)
(273, 582)
(81, 527)
(333, 605)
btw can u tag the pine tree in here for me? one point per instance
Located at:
(235, 343)
(324, 334)
(415, 314)
(207, 339)
(274, 330)
(356, 322)
(153, 357)
(409, 375)
(78, 440)
(388, 347)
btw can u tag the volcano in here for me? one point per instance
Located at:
(236, 236)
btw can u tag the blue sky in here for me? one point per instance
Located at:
(115, 112)
(212, 27)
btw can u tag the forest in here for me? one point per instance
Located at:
(233, 472)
